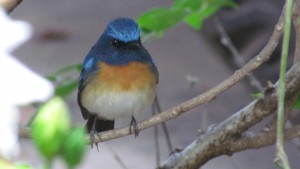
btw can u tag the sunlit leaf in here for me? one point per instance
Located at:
(192, 12)
(192, 5)
(159, 19)
(194, 20)
(207, 9)
(50, 127)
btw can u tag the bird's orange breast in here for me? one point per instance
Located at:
(133, 76)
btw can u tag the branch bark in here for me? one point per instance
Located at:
(296, 22)
(262, 139)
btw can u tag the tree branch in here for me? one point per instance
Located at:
(266, 136)
(296, 22)
(213, 142)
(262, 139)
(287, 112)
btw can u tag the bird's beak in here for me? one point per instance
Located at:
(134, 45)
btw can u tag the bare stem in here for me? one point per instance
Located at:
(281, 157)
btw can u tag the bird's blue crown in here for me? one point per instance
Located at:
(123, 29)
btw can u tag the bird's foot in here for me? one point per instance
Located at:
(94, 133)
(133, 128)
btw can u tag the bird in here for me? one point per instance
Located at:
(118, 78)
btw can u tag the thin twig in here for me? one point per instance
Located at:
(157, 147)
(164, 126)
(296, 22)
(156, 141)
(238, 60)
(281, 158)
(117, 158)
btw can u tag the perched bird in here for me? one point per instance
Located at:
(118, 78)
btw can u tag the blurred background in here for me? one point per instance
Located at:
(189, 62)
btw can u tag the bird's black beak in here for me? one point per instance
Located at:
(134, 45)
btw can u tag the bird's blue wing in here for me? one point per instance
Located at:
(89, 68)
(155, 72)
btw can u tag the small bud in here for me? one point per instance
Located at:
(74, 147)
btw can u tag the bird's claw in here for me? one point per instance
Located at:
(93, 132)
(133, 128)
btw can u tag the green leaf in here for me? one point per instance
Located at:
(74, 147)
(66, 88)
(257, 95)
(159, 19)
(194, 20)
(50, 127)
(192, 5)
(207, 9)
(150, 20)
(297, 103)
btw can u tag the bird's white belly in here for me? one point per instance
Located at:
(111, 105)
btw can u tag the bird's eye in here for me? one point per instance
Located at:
(115, 42)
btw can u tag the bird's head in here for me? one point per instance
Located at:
(123, 29)
(120, 43)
